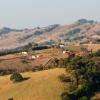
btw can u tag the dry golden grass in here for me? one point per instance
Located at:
(93, 47)
(9, 56)
(43, 85)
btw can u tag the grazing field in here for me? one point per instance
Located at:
(43, 85)
(74, 48)
(21, 63)
(93, 47)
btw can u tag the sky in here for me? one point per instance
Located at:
(34, 13)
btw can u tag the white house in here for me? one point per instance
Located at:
(24, 53)
(33, 57)
(64, 52)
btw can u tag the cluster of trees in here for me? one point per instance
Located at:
(40, 48)
(58, 63)
(38, 68)
(51, 28)
(65, 62)
(28, 47)
(38, 32)
(85, 76)
(6, 71)
(75, 31)
(97, 54)
(16, 77)
(10, 51)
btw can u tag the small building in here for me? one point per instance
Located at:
(61, 46)
(24, 53)
(64, 52)
(33, 57)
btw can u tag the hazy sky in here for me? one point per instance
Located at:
(32, 13)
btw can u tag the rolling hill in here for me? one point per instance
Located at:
(82, 30)
(43, 85)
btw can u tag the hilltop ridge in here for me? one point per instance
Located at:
(82, 31)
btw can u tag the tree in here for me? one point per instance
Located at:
(75, 77)
(84, 98)
(16, 77)
(97, 53)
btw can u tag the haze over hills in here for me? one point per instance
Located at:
(82, 30)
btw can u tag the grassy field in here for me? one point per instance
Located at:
(43, 85)
(74, 48)
(93, 47)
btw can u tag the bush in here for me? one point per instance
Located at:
(37, 68)
(97, 54)
(82, 90)
(84, 98)
(65, 96)
(6, 72)
(64, 78)
(16, 77)
(10, 99)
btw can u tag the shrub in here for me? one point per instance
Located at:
(10, 99)
(64, 78)
(6, 72)
(97, 54)
(38, 33)
(16, 77)
(75, 31)
(37, 68)
(84, 98)
(82, 90)
(65, 96)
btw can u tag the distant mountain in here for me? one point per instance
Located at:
(6, 30)
(82, 30)
(84, 21)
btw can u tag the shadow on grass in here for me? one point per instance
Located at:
(26, 78)
(22, 80)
